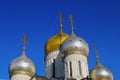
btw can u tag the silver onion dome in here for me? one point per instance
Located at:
(22, 65)
(74, 43)
(100, 72)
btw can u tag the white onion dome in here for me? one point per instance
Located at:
(22, 65)
(74, 43)
(100, 72)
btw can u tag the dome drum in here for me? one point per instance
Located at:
(21, 72)
(73, 51)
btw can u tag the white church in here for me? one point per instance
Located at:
(66, 58)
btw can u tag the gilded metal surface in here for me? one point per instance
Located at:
(54, 42)
(74, 43)
(100, 73)
(22, 64)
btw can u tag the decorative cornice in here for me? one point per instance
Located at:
(21, 72)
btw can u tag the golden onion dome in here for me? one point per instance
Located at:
(55, 41)
(99, 72)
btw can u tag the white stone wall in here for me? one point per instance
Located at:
(77, 72)
(59, 67)
(21, 77)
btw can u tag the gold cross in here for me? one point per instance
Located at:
(60, 15)
(96, 51)
(24, 41)
(71, 22)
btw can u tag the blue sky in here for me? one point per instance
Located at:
(97, 21)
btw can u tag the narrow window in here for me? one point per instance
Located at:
(79, 66)
(70, 69)
(53, 68)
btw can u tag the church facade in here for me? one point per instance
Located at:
(66, 58)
